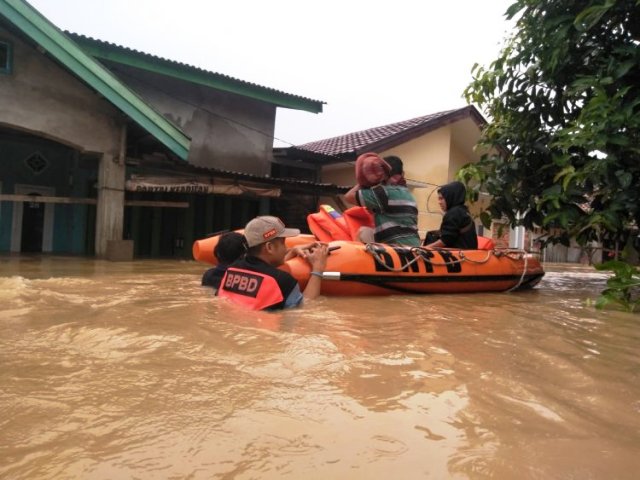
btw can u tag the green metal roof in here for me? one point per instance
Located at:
(40, 30)
(126, 56)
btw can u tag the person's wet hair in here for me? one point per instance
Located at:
(395, 163)
(230, 247)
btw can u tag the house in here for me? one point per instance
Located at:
(114, 152)
(432, 147)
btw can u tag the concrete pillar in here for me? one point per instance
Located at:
(516, 237)
(110, 208)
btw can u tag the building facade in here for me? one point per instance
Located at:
(103, 148)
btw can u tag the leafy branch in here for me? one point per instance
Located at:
(623, 288)
(563, 98)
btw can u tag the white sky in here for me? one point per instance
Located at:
(373, 62)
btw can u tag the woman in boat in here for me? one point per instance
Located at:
(457, 229)
(392, 204)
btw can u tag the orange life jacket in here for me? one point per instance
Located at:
(357, 217)
(485, 243)
(329, 225)
(253, 290)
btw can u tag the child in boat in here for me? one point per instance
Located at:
(392, 204)
(229, 248)
(457, 229)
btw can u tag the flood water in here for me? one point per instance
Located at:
(132, 370)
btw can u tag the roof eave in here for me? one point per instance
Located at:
(124, 56)
(291, 185)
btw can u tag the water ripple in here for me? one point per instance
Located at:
(133, 370)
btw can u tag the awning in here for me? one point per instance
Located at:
(198, 185)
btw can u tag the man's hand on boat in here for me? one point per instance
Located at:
(315, 254)
(307, 251)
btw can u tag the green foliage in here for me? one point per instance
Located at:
(623, 288)
(563, 99)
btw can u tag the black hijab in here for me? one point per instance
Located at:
(454, 194)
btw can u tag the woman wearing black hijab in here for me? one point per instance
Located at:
(457, 229)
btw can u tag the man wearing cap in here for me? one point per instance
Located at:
(255, 281)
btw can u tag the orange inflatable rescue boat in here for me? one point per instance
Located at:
(354, 268)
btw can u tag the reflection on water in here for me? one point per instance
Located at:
(132, 370)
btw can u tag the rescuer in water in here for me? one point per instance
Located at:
(255, 281)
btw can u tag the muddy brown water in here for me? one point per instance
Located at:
(132, 370)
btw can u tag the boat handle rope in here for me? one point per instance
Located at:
(511, 253)
(370, 248)
(522, 256)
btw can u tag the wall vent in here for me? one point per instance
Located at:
(37, 163)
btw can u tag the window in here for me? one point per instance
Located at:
(5, 57)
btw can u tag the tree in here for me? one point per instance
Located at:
(564, 102)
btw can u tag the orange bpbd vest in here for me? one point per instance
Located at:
(252, 290)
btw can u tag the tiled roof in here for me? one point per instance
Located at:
(387, 135)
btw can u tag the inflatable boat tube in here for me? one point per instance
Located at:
(202, 250)
(355, 268)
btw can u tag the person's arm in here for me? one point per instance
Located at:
(318, 261)
(450, 227)
(350, 196)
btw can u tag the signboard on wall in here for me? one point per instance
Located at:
(203, 186)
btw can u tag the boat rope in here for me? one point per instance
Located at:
(479, 262)
(372, 249)
(511, 253)
(516, 254)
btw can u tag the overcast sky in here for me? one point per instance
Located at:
(373, 62)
